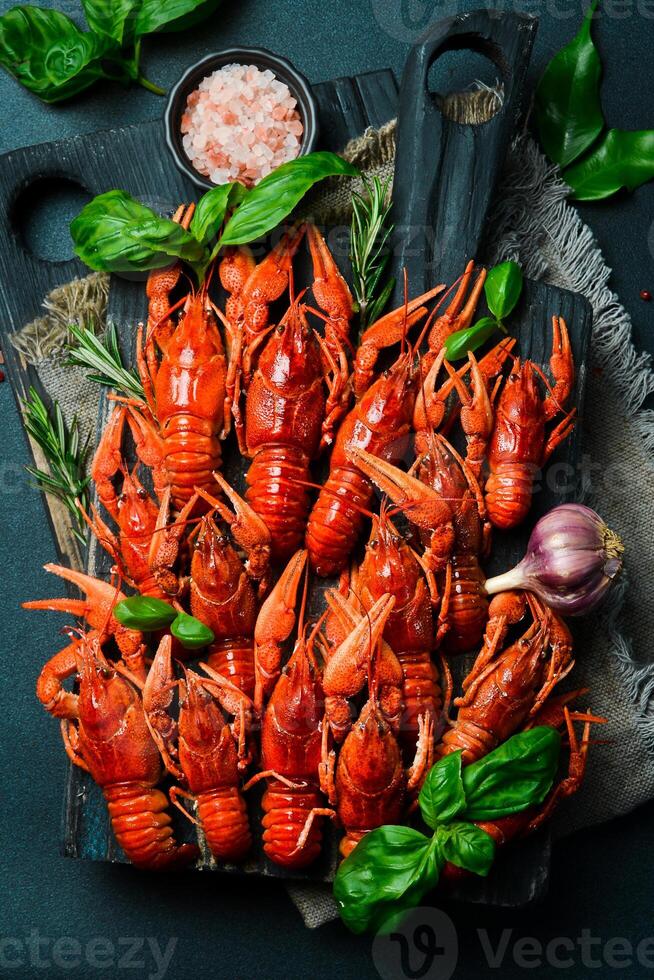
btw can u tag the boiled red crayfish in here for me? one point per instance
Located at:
(220, 583)
(133, 510)
(105, 733)
(291, 746)
(391, 567)
(274, 625)
(379, 422)
(202, 750)
(289, 417)
(389, 330)
(425, 507)
(251, 288)
(443, 469)
(506, 688)
(369, 784)
(187, 411)
(222, 597)
(519, 445)
(331, 293)
(292, 736)
(434, 410)
(520, 825)
(459, 314)
(347, 665)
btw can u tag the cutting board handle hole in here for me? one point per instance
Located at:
(466, 81)
(41, 214)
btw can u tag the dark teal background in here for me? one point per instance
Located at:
(602, 879)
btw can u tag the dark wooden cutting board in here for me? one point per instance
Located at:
(136, 159)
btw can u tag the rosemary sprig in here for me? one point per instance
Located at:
(103, 357)
(66, 457)
(369, 236)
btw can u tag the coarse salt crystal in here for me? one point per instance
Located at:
(240, 122)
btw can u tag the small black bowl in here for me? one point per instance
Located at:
(285, 72)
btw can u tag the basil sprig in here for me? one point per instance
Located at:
(166, 16)
(388, 872)
(620, 159)
(502, 288)
(442, 796)
(113, 20)
(141, 612)
(211, 210)
(190, 632)
(48, 53)
(274, 197)
(521, 769)
(116, 233)
(571, 125)
(392, 868)
(568, 108)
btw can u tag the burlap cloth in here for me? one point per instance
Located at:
(532, 223)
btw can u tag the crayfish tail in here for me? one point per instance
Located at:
(142, 825)
(421, 694)
(224, 818)
(285, 814)
(234, 660)
(336, 520)
(276, 493)
(467, 612)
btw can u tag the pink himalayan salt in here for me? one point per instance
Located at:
(240, 124)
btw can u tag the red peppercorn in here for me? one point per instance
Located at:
(2, 376)
(645, 295)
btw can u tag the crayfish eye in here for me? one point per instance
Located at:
(122, 497)
(142, 494)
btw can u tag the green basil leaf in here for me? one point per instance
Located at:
(48, 53)
(467, 846)
(502, 288)
(142, 612)
(388, 871)
(568, 108)
(111, 18)
(513, 777)
(115, 233)
(273, 198)
(211, 209)
(621, 159)
(460, 342)
(442, 796)
(171, 15)
(190, 632)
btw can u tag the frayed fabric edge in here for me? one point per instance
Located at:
(532, 221)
